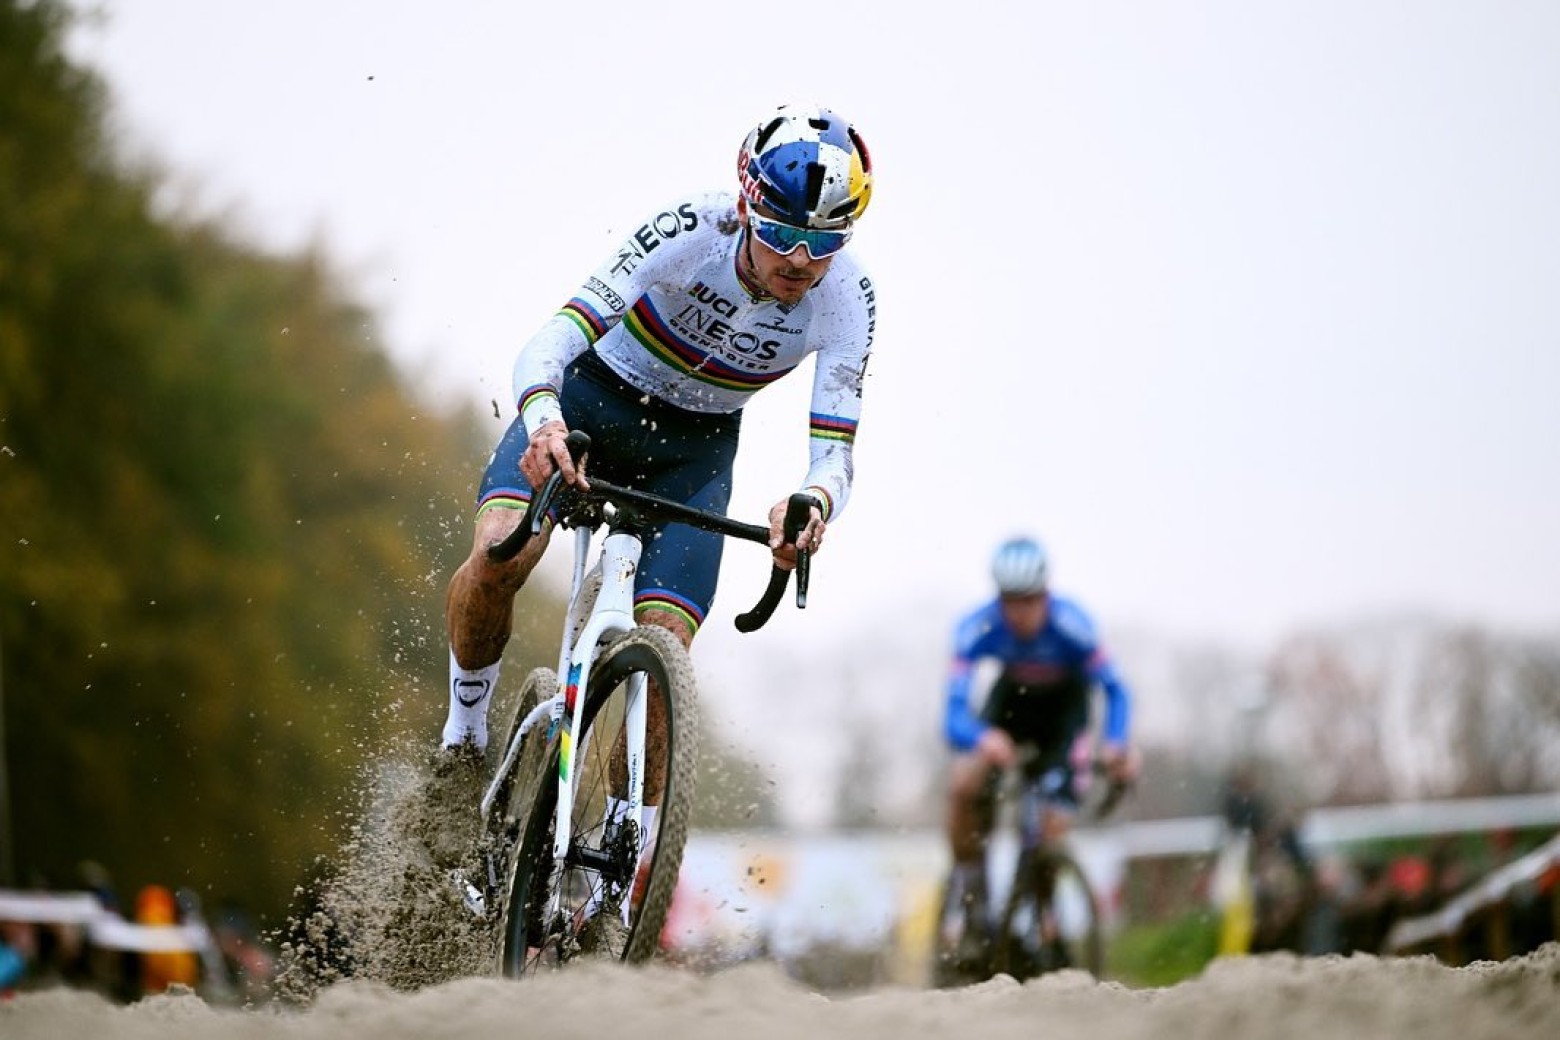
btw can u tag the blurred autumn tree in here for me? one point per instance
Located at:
(225, 519)
(1405, 709)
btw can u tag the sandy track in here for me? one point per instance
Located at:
(1272, 996)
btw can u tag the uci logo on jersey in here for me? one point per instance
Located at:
(712, 299)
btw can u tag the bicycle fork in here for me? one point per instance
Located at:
(601, 606)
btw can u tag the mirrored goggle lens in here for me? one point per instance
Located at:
(783, 238)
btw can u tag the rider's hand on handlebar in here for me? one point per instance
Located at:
(996, 748)
(1120, 763)
(547, 452)
(810, 537)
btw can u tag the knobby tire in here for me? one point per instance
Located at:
(517, 788)
(529, 943)
(947, 972)
(1021, 951)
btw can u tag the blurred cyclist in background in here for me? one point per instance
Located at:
(1051, 660)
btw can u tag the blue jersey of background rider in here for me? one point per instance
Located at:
(1041, 694)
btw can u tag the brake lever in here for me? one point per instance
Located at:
(578, 443)
(798, 511)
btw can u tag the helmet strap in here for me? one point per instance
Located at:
(746, 256)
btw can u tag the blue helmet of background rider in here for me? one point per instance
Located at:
(808, 167)
(1019, 567)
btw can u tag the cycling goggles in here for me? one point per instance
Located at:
(783, 238)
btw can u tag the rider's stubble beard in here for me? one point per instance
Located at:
(787, 269)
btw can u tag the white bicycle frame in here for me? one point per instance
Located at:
(601, 605)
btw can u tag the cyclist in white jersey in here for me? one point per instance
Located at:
(707, 301)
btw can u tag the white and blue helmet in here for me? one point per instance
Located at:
(807, 165)
(1019, 567)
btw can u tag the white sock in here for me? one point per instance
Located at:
(471, 691)
(972, 878)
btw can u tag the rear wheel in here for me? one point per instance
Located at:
(556, 912)
(1051, 920)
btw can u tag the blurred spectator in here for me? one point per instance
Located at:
(216, 980)
(1242, 804)
(251, 966)
(155, 905)
(63, 956)
(1334, 888)
(15, 940)
(95, 879)
(1279, 870)
(1536, 909)
(115, 972)
(1411, 882)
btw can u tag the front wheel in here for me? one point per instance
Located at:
(607, 898)
(958, 958)
(516, 787)
(1051, 920)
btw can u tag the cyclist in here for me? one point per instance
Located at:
(1051, 659)
(709, 300)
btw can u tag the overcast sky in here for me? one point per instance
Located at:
(1250, 310)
